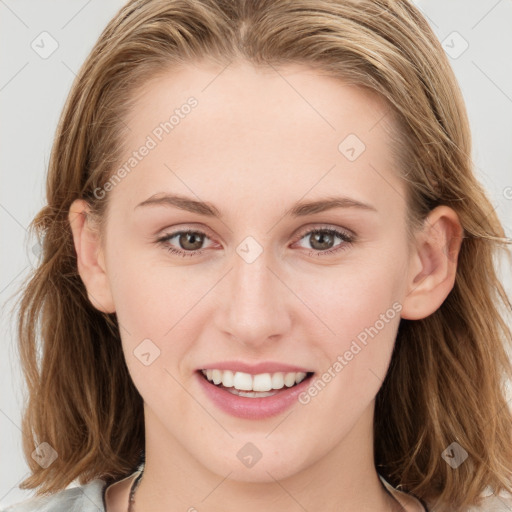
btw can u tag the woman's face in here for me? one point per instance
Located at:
(254, 284)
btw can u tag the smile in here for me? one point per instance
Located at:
(252, 396)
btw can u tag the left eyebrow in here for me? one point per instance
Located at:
(299, 209)
(304, 208)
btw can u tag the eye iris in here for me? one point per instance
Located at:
(195, 239)
(320, 237)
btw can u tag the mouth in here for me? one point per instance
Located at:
(254, 386)
(253, 396)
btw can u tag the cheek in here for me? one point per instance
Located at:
(355, 294)
(360, 310)
(151, 293)
(152, 300)
(153, 307)
(159, 305)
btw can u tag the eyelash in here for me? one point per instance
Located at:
(347, 239)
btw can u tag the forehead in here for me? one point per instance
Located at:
(250, 130)
(240, 94)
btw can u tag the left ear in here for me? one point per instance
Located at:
(433, 263)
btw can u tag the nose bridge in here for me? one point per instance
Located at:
(251, 281)
(255, 305)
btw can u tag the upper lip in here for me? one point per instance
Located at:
(254, 369)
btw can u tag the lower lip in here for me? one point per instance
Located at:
(252, 408)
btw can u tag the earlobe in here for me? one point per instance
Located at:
(89, 255)
(433, 264)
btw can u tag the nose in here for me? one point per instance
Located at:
(253, 307)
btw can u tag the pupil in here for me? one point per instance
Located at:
(195, 242)
(319, 237)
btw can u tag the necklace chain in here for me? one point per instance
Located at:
(131, 500)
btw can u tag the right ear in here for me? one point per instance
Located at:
(90, 257)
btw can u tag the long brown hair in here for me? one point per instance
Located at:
(446, 381)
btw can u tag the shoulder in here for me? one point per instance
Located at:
(494, 503)
(83, 498)
(490, 502)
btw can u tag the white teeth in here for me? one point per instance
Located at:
(261, 382)
(251, 394)
(289, 380)
(216, 376)
(277, 381)
(227, 378)
(242, 381)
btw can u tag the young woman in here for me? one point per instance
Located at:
(268, 276)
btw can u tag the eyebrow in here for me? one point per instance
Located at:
(299, 209)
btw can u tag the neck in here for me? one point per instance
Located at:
(342, 479)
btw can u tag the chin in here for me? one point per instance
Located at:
(258, 462)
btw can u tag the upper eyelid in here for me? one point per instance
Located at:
(316, 227)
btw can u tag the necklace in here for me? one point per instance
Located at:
(136, 482)
(131, 499)
(397, 505)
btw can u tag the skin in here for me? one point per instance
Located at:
(257, 142)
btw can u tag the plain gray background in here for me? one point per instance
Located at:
(477, 35)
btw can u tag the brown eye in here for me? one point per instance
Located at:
(186, 243)
(190, 240)
(323, 241)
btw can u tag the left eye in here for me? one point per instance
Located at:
(190, 242)
(321, 238)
